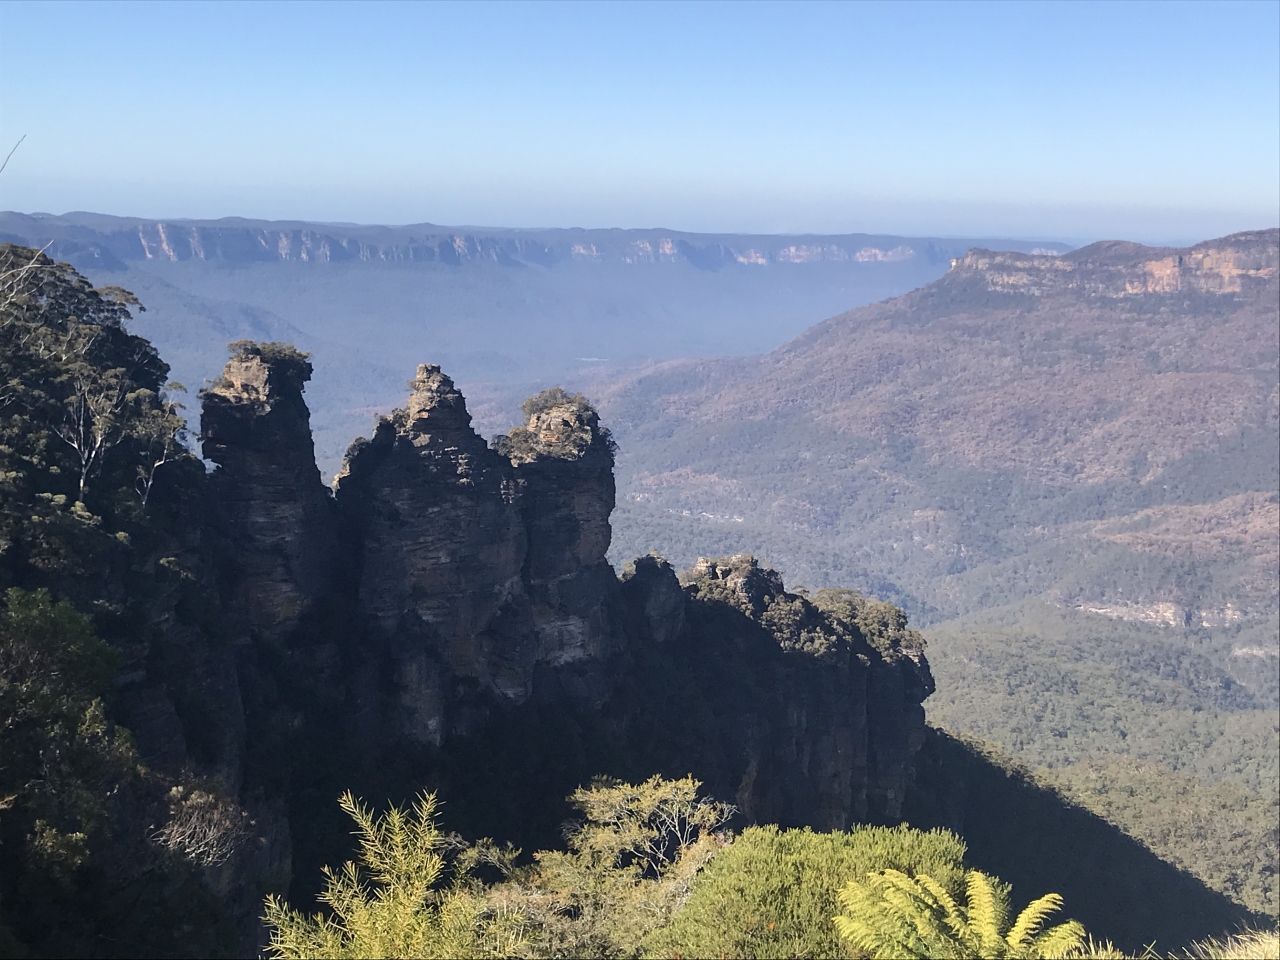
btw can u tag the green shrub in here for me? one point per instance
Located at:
(773, 892)
(406, 911)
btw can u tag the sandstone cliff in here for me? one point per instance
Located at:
(464, 590)
(256, 428)
(444, 618)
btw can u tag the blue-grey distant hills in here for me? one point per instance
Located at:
(504, 311)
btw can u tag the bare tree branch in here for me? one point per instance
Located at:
(11, 152)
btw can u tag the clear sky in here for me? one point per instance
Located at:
(1150, 121)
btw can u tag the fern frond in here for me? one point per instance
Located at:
(1063, 940)
(1032, 918)
(988, 911)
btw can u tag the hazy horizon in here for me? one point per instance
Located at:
(1076, 242)
(1151, 122)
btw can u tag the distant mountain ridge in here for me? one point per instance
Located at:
(507, 312)
(1067, 468)
(110, 241)
(1020, 405)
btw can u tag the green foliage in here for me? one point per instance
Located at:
(1130, 723)
(1223, 833)
(627, 869)
(1058, 686)
(772, 893)
(828, 623)
(891, 915)
(79, 872)
(68, 364)
(404, 911)
(1249, 945)
(85, 426)
(57, 745)
(291, 362)
(549, 399)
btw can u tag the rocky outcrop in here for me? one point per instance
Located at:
(651, 586)
(836, 746)
(275, 514)
(463, 628)
(478, 582)
(1243, 262)
(442, 547)
(563, 463)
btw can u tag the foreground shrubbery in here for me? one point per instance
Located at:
(649, 872)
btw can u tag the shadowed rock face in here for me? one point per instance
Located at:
(442, 548)
(474, 584)
(563, 463)
(836, 746)
(273, 509)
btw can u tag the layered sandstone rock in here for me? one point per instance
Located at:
(441, 546)
(1243, 262)
(476, 587)
(563, 462)
(274, 511)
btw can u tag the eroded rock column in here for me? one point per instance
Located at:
(563, 462)
(273, 508)
(442, 548)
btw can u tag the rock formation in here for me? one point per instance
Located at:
(475, 578)
(441, 549)
(446, 617)
(563, 463)
(276, 516)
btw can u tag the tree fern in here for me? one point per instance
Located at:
(892, 915)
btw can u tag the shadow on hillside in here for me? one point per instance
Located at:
(1031, 836)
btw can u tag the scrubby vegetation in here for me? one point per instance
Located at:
(556, 423)
(649, 872)
(772, 892)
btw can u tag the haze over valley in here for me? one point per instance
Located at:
(506, 312)
(640, 480)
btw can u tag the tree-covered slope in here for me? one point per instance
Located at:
(1100, 426)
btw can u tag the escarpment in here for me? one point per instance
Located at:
(470, 580)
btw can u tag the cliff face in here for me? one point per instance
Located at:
(276, 516)
(563, 464)
(1243, 262)
(836, 743)
(105, 242)
(441, 548)
(476, 587)
(446, 617)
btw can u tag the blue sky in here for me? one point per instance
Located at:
(1147, 121)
